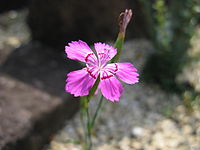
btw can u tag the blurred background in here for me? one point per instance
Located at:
(162, 112)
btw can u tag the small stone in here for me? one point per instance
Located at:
(136, 145)
(187, 129)
(198, 132)
(158, 141)
(173, 143)
(137, 131)
(106, 147)
(61, 146)
(167, 125)
(124, 144)
(13, 14)
(13, 41)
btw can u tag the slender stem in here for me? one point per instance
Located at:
(85, 115)
(85, 120)
(89, 140)
(97, 111)
(82, 118)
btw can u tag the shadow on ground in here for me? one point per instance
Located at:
(34, 104)
(40, 66)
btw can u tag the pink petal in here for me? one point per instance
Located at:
(124, 71)
(79, 50)
(79, 82)
(105, 52)
(110, 87)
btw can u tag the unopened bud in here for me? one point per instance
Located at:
(124, 19)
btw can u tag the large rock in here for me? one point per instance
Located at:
(57, 22)
(33, 102)
(29, 117)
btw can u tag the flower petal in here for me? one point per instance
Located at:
(110, 86)
(79, 50)
(124, 71)
(79, 82)
(104, 52)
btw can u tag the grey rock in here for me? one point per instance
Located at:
(33, 103)
(137, 131)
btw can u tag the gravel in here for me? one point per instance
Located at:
(14, 30)
(145, 118)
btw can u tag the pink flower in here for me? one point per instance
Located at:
(80, 82)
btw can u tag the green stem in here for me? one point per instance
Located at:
(89, 140)
(125, 18)
(82, 118)
(89, 123)
(97, 111)
(85, 120)
(118, 45)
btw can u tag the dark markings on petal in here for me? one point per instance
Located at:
(116, 68)
(90, 73)
(106, 77)
(86, 58)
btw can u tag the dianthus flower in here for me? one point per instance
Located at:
(81, 81)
